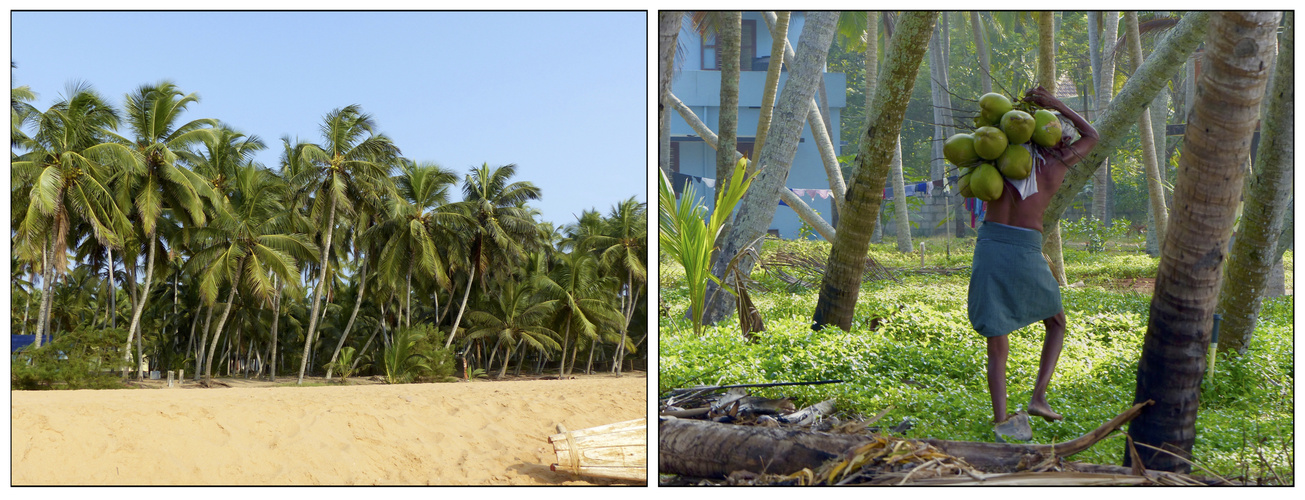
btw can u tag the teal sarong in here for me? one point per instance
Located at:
(1011, 285)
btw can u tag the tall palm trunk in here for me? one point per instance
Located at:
(321, 289)
(407, 299)
(1239, 48)
(134, 330)
(566, 337)
(113, 292)
(728, 32)
(1105, 86)
(1154, 182)
(900, 207)
(47, 276)
(840, 287)
(940, 100)
(461, 308)
(367, 344)
(276, 319)
(1254, 251)
(668, 30)
(348, 327)
(200, 356)
(758, 206)
(1047, 51)
(778, 35)
(217, 332)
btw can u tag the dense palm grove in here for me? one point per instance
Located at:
(161, 232)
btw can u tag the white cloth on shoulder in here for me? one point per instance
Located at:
(1028, 186)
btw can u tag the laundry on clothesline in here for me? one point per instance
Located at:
(926, 188)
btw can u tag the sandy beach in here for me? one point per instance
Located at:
(470, 433)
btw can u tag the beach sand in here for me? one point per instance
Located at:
(467, 433)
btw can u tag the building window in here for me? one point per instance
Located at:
(747, 48)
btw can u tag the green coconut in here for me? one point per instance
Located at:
(959, 149)
(986, 182)
(1018, 126)
(964, 186)
(1016, 163)
(990, 142)
(992, 106)
(1046, 128)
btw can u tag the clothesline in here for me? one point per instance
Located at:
(925, 188)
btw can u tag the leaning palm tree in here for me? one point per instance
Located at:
(67, 165)
(583, 305)
(623, 251)
(497, 228)
(348, 168)
(153, 113)
(249, 243)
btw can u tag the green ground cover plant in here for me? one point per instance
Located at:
(911, 348)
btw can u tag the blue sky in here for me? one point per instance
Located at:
(561, 94)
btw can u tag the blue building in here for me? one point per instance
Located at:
(697, 84)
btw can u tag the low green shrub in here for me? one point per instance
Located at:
(82, 359)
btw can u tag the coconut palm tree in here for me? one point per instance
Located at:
(622, 249)
(497, 230)
(153, 113)
(249, 243)
(1239, 49)
(838, 292)
(1154, 180)
(1105, 87)
(348, 168)
(515, 317)
(67, 164)
(668, 31)
(582, 306)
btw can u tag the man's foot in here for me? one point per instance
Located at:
(1044, 411)
(1014, 428)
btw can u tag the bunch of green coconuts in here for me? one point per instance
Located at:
(996, 149)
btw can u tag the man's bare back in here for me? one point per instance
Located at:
(1009, 209)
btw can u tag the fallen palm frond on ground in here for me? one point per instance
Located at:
(806, 270)
(733, 438)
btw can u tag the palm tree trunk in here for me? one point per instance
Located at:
(1253, 254)
(1169, 55)
(1239, 47)
(1105, 87)
(217, 333)
(47, 276)
(142, 298)
(200, 355)
(728, 32)
(1149, 160)
(841, 284)
(367, 344)
(566, 337)
(362, 289)
(778, 34)
(407, 298)
(758, 205)
(668, 30)
(940, 101)
(593, 346)
(276, 319)
(575, 349)
(113, 289)
(1047, 51)
(981, 47)
(901, 208)
(463, 307)
(321, 289)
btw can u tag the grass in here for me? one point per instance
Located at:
(924, 361)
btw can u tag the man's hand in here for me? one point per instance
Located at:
(1040, 97)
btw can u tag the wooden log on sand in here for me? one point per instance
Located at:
(711, 450)
(614, 451)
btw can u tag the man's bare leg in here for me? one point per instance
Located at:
(1051, 346)
(998, 350)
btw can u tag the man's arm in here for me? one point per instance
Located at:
(1087, 134)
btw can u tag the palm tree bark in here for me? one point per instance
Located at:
(668, 30)
(461, 308)
(842, 282)
(321, 288)
(1105, 86)
(941, 102)
(113, 295)
(758, 206)
(729, 30)
(141, 299)
(1168, 56)
(1159, 112)
(1047, 51)
(901, 212)
(1230, 90)
(357, 304)
(367, 344)
(1153, 179)
(778, 35)
(203, 341)
(47, 277)
(1253, 254)
(276, 319)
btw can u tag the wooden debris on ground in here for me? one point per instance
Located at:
(613, 451)
(807, 270)
(770, 445)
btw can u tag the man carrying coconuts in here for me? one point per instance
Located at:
(1011, 285)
